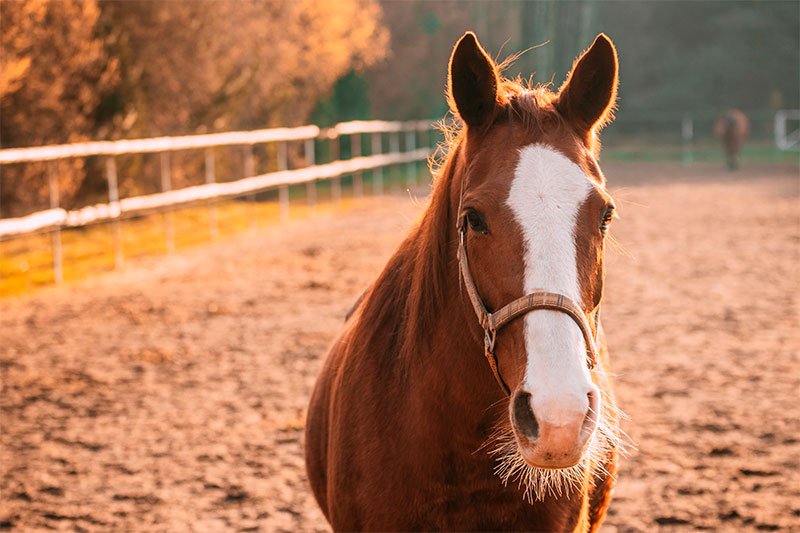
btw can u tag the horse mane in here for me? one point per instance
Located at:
(405, 298)
(408, 294)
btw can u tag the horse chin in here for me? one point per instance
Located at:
(534, 457)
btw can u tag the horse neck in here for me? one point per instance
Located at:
(418, 323)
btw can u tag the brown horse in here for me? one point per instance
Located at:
(407, 427)
(732, 128)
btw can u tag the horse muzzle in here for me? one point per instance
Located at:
(554, 432)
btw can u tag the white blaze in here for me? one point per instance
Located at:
(545, 196)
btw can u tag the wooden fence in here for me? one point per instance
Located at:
(56, 218)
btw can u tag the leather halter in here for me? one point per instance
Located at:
(493, 322)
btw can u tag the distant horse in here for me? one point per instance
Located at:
(469, 388)
(732, 127)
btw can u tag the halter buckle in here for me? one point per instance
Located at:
(489, 337)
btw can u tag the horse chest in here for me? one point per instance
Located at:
(499, 511)
(463, 494)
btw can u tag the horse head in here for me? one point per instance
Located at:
(533, 212)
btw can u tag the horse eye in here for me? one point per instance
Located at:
(608, 216)
(476, 222)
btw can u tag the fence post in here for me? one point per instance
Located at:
(169, 216)
(113, 199)
(377, 173)
(358, 177)
(687, 133)
(52, 184)
(247, 152)
(780, 129)
(411, 168)
(311, 186)
(283, 190)
(336, 184)
(394, 146)
(211, 177)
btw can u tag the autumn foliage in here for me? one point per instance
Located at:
(85, 69)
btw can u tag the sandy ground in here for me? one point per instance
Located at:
(170, 396)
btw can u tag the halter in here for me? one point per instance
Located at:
(493, 322)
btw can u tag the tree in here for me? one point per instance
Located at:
(54, 76)
(78, 69)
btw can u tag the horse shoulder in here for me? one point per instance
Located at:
(318, 424)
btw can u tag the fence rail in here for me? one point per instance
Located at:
(57, 218)
(189, 142)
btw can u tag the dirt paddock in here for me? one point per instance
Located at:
(170, 396)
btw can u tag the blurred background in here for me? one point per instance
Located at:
(127, 394)
(89, 70)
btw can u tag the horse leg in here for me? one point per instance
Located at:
(730, 160)
(734, 161)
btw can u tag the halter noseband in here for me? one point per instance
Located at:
(493, 322)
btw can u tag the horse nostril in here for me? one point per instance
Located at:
(524, 418)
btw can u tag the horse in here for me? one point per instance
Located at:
(469, 388)
(732, 128)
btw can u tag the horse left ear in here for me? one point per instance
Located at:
(472, 82)
(589, 94)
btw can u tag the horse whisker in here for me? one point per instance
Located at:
(538, 483)
(618, 247)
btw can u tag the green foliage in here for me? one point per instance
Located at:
(693, 57)
(703, 57)
(349, 100)
(430, 23)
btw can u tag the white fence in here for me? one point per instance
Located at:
(787, 129)
(57, 218)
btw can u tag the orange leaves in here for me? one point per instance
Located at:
(78, 69)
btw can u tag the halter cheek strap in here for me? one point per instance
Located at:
(493, 322)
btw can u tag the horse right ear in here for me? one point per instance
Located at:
(472, 82)
(588, 96)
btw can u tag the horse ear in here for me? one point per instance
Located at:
(589, 94)
(472, 82)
